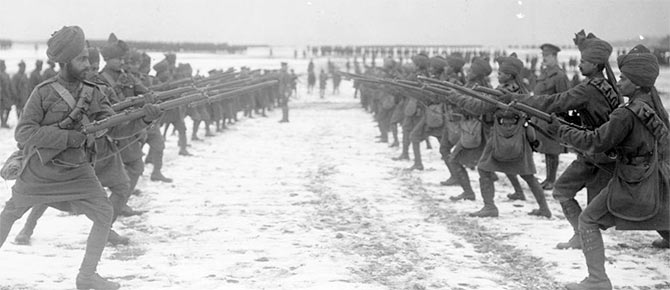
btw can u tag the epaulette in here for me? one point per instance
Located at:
(93, 84)
(46, 82)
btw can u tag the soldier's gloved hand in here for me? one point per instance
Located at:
(151, 112)
(554, 125)
(75, 139)
(150, 98)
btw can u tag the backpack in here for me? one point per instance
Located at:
(435, 116)
(471, 133)
(508, 139)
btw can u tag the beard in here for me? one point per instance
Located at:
(78, 74)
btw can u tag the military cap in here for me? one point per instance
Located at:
(549, 48)
(455, 61)
(93, 55)
(421, 60)
(114, 48)
(640, 66)
(65, 44)
(21, 63)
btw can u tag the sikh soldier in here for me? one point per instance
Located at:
(552, 80)
(125, 86)
(594, 99)
(140, 67)
(21, 87)
(285, 82)
(165, 73)
(35, 76)
(453, 72)
(507, 148)
(413, 113)
(471, 140)
(108, 168)
(7, 95)
(636, 198)
(50, 71)
(58, 171)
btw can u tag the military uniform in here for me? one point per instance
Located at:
(285, 84)
(21, 88)
(7, 95)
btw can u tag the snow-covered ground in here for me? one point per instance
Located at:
(317, 204)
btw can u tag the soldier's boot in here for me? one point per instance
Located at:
(464, 180)
(182, 147)
(518, 191)
(156, 174)
(405, 151)
(551, 162)
(571, 210)
(663, 242)
(208, 132)
(384, 137)
(115, 239)
(416, 148)
(94, 281)
(594, 252)
(394, 133)
(452, 180)
(488, 192)
(23, 238)
(194, 135)
(538, 193)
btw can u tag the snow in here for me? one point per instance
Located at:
(317, 204)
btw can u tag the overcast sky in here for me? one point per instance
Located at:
(304, 22)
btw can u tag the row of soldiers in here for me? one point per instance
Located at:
(323, 78)
(14, 90)
(622, 146)
(61, 165)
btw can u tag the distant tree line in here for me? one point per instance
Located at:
(180, 46)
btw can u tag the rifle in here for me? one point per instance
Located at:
(173, 93)
(193, 81)
(134, 114)
(612, 80)
(519, 108)
(231, 93)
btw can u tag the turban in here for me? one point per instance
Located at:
(456, 62)
(510, 65)
(161, 66)
(593, 49)
(114, 48)
(389, 63)
(421, 60)
(640, 66)
(171, 58)
(549, 48)
(438, 62)
(480, 66)
(65, 44)
(93, 55)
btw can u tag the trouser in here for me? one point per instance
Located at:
(551, 163)
(384, 122)
(98, 209)
(180, 126)
(156, 148)
(134, 170)
(579, 174)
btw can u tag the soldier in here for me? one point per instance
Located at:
(125, 85)
(507, 148)
(471, 140)
(413, 113)
(108, 168)
(58, 171)
(21, 88)
(636, 198)
(50, 71)
(7, 96)
(594, 99)
(453, 72)
(337, 78)
(552, 80)
(323, 80)
(165, 73)
(35, 76)
(285, 83)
